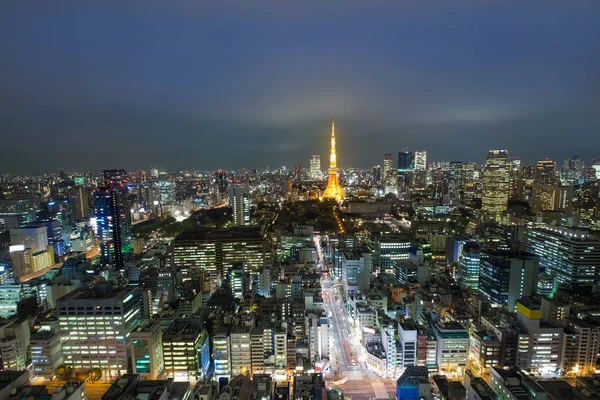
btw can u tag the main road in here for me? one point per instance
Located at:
(345, 363)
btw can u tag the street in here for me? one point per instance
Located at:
(348, 371)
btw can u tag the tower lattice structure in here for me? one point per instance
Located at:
(333, 190)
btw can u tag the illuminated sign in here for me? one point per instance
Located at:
(128, 298)
(79, 180)
(16, 247)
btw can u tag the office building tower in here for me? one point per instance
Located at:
(389, 248)
(469, 181)
(496, 176)
(318, 335)
(406, 166)
(571, 256)
(153, 172)
(240, 356)
(356, 271)
(469, 264)
(46, 354)
(572, 171)
(221, 180)
(388, 164)
(315, 167)
(545, 172)
(113, 224)
(420, 175)
(506, 276)
(455, 182)
(186, 350)
(94, 326)
(162, 193)
(239, 200)
(79, 203)
(14, 345)
(212, 252)
(221, 351)
(146, 349)
(540, 344)
(548, 197)
(376, 174)
(30, 251)
(581, 345)
(420, 160)
(333, 189)
(452, 345)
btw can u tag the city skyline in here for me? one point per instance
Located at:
(191, 85)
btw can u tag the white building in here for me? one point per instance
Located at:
(241, 360)
(239, 200)
(46, 354)
(356, 271)
(221, 352)
(581, 346)
(319, 336)
(94, 324)
(315, 167)
(540, 343)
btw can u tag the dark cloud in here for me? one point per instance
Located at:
(231, 84)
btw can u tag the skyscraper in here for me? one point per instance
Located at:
(388, 164)
(420, 178)
(571, 171)
(545, 172)
(78, 200)
(315, 167)
(572, 257)
(406, 165)
(239, 200)
(113, 221)
(333, 189)
(455, 183)
(496, 177)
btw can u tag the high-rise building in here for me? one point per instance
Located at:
(571, 256)
(315, 167)
(163, 195)
(390, 248)
(186, 349)
(30, 251)
(239, 200)
(94, 326)
(388, 164)
(113, 222)
(496, 176)
(79, 203)
(506, 276)
(420, 178)
(549, 197)
(540, 344)
(571, 171)
(581, 345)
(420, 160)
(213, 251)
(406, 166)
(146, 349)
(356, 271)
(333, 189)
(221, 351)
(153, 172)
(455, 182)
(545, 172)
(469, 265)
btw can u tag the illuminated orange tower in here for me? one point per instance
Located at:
(333, 190)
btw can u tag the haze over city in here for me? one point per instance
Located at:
(250, 84)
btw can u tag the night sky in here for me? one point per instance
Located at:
(186, 84)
